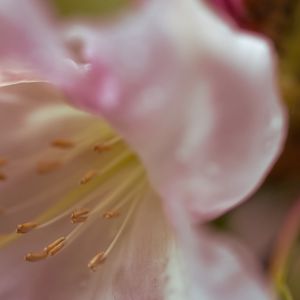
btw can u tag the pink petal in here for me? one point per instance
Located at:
(210, 266)
(31, 39)
(198, 102)
(10, 77)
(195, 98)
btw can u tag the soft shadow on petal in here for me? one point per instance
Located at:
(196, 99)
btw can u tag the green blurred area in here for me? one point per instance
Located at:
(290, 68)
(91, 8)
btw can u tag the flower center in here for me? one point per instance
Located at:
(109, 189)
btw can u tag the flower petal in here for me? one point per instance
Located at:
(210, 266)
(31, 39)
(195, 98)
(10, 77)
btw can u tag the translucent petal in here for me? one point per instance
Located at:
(210, 266)
(196, 99)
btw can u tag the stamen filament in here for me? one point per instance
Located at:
(66, 212)
(95, 212)
(81, 191)
(119, 191)
(114, 212)
(101, 256)
(120, 231)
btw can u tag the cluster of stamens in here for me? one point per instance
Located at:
(107, 209)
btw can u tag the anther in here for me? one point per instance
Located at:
(62, 143)
(44, 167)
(88, 177)
(55, 246)
(107, 145)
(97, 260)
(100, 148)
(26, 227)
(79, 215)
(3, 161)
(36, 256)
(111, 214)
(2, 177)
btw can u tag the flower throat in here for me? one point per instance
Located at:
(110, 191)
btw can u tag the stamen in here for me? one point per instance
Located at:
(113, 197)
(101, 256)
(3, 161)
(55, 213)
(55, 246)
(111, 214)
(102, 148)
(107, 145)
(44, 167)
(50, 250)
(115, 211)
(36, 256)
(97, 260)
(79, 215)
(88, 177)
(2, 177)
(112, 189)
(121, 229)
(26, 227)
(63, 143)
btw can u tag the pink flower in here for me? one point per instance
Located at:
(196, 103)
